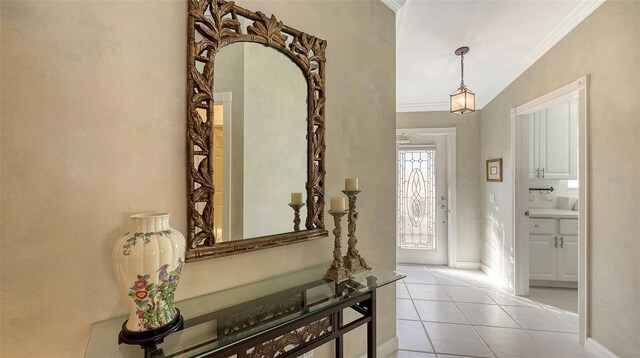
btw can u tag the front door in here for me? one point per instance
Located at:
(422, 200)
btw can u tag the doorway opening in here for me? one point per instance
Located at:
(426, 196)
(222, 111)
(549, 231)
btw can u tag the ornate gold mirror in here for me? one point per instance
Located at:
(255, 94)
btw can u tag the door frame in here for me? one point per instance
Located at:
(226, 98)
(520, 183)
(452, 220)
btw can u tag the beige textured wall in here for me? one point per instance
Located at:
(467, 172)
(93, 130)
(275, 140)
(605, 47)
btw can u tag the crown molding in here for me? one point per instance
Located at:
(422, 107)
(550, 39)
(400, 132)
(394, 5)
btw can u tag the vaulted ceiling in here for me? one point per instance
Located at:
(505, 37)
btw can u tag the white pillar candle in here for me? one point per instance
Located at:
(351, 184)
(338, 203)
(296, 198)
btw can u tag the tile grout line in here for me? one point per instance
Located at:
(484, 290)
(436, 354)
(474, 328)
(510, 316)
(539, 306)
(488, 326)
(541, 344)
(543, 330)
(561, 320)
(433, 348)
(465, 317)
(480, 336)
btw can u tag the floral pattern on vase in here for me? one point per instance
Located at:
(148, 262)
(133, 240)
(154, 301)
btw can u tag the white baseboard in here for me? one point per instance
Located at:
(467, 265)
(386, 348)
(598, 349)
(560, 284)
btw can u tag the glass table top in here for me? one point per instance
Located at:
(219, 319)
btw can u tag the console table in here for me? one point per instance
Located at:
(285, 316)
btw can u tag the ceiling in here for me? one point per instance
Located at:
(505, 38)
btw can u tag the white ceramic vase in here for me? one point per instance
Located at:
(148, 262)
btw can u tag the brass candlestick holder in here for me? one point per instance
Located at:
(296, 215)
(337, 272)
(352, 260)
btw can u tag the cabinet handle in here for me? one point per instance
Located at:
(536, 226)
(555, 241)
(561, 242)
(538, 173)
(542, 173)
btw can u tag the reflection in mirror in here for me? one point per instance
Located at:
(260, 145)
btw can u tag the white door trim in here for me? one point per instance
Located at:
(452, 221)
(225, 98)
(519, 175)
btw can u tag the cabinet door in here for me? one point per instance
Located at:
(568, 258)
(558, 141)
(543, 257)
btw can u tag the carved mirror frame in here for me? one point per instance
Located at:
(217, 23)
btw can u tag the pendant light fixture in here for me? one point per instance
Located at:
(462, 100)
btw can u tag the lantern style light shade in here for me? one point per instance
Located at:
(462, 100)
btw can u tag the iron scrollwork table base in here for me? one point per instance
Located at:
(266, 344)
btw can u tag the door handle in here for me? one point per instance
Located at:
(561, 242)
(542, 173)
(555, 241)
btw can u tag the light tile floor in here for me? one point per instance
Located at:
(449, 313)
(563, 298)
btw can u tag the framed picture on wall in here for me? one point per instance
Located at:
(494, 170)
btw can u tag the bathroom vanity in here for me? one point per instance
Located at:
(553, 247)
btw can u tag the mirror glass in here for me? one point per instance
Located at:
(260, 144)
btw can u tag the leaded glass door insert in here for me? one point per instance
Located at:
(417, 198)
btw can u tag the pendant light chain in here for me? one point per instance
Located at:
(462, 70)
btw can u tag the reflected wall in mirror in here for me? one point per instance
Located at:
(266, 158)
(255, 92)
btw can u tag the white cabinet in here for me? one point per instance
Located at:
(553, 249)
(568, 258)
(543, 262)
(553, 146)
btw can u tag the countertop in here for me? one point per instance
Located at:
(552, 213)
